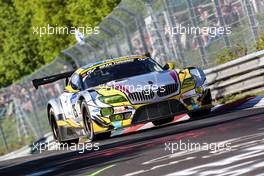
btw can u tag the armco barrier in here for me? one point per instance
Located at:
(243, 75)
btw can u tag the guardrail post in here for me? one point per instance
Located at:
(158, 43)
(176, 41)
(126, 32)
(252, 19)
(222, 22)
(81, 50)
(111, 34)
(36, 115)
(101, 43)
(69, 54)
(197, 36)
(97, 44)
(139, 22)
(90, 51)
(2, 134)
(94, 48)
(23, 117)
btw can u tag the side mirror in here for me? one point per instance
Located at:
(168, 66)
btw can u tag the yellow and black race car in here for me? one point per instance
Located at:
(120, 92)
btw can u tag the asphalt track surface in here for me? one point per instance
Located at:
(227, 143)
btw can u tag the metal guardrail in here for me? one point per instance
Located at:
(243, 75)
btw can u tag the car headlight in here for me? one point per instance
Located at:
(112, 99)
(107, 111)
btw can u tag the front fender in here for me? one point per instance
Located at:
(85, 95)
(199, 76)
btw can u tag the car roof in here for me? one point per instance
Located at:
(107, 61)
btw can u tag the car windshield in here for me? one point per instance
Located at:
(120, 70)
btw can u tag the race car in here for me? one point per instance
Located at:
(102, 97)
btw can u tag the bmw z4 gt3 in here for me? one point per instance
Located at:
(116, 93)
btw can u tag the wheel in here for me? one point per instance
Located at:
(53, 125)
(55, 131)
(88, 127)
(163, 121)
(87, 121)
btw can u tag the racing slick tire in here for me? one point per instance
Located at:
(87, 121)
(162, 121)
(55, 130)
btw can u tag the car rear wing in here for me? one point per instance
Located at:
(49, 79)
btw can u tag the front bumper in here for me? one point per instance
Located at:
(140, 113)
(160, 110)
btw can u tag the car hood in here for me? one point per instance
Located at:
(153, 79)
(150, 81)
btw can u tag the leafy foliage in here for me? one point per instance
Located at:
(230, 54)
(21, 52)
(260, 43)
(238, 51)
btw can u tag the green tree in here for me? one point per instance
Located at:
(21, 51)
